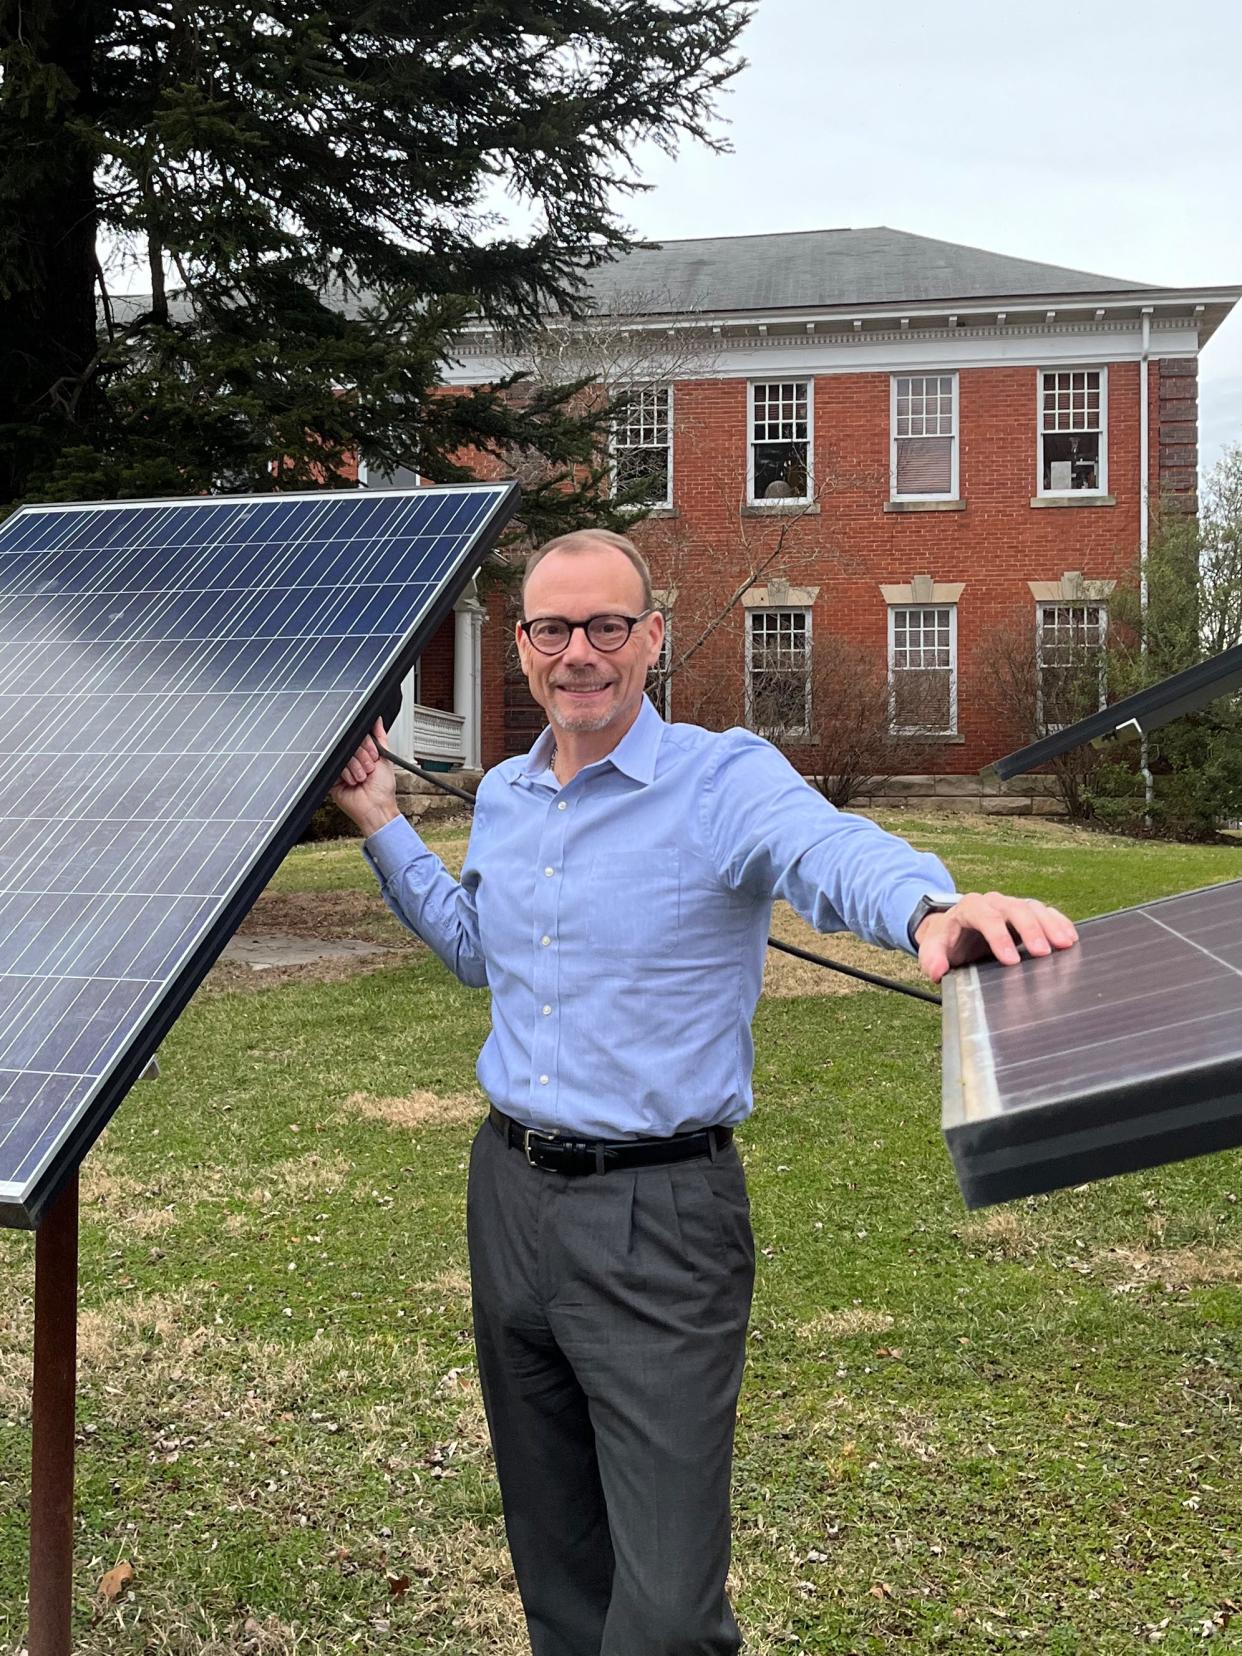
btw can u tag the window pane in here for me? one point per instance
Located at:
(1070, 640)
(642, 443)
(1071, 461)
(922, 699)
(646, 467)
(924, 465)
(780, 471)
(779, 670)
(1071, 401)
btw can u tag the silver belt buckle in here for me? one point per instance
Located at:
(529, 1133)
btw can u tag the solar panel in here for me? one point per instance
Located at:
(1124, 1052)
(180, 681)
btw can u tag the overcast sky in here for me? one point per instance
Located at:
(1102, 136)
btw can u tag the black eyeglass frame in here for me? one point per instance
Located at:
(607, 615)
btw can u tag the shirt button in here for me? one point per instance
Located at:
(544, 941)
(560, 805)
(547, 1011)
(543, 1080)
(549, 871)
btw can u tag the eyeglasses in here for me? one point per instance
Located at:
(550, 634)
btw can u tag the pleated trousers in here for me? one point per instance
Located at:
(610, 1317)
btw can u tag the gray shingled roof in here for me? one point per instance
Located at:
(810, 269)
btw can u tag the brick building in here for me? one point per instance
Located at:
(903, 445)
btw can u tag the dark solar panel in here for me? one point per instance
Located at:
(179, 683)
(1122, 1053)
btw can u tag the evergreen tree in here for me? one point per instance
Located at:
(303, 183)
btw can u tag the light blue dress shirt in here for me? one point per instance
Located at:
(620, 922)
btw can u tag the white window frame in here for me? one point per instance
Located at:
(954, 485)
(662, 663)
(664, 504)
(787, 733)
(785, 500)
(1043, 604)
(915, 730)
(1102, 485)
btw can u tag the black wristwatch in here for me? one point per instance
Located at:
(931, 902)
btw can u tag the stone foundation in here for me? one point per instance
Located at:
(421, 801)
(1023, 796)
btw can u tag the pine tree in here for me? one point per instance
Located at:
(303, 184)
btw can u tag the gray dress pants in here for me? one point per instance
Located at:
(610, 1318)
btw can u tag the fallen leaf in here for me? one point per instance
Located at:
(113, 1584)
(398, 1586)
(881, 1590)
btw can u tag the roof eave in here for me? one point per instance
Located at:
(1208, 306)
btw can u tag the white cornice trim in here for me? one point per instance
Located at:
(922, 350)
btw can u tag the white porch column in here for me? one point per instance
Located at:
(468, 673)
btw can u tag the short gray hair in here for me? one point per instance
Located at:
(587, 540)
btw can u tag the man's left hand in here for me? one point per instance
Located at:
(979, 926)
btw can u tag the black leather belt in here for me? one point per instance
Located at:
(573, 1156)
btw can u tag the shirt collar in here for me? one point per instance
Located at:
(634, 755)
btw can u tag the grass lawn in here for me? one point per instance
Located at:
(1014, 1430)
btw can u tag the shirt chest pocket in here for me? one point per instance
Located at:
(634, 901)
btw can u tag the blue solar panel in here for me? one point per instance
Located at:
(179, 683)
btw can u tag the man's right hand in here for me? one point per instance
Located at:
(367, 790)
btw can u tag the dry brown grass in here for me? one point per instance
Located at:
(419, 1109)
(1001, 1234)
(1175, 1270)
(846, 1323)
(300, 1177)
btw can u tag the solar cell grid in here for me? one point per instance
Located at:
(1122, 1053)
(178, 683)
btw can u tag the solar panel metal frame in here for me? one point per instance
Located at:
(22, 1207)
(1159, 704)
(1000, 1155)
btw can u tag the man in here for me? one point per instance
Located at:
(615, 899)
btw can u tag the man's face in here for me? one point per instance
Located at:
(585, 689)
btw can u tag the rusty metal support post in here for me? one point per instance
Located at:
(55, 1398)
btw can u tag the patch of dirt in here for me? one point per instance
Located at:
(324, 916)
(419, 1109)
(784, 976)
(227, 977)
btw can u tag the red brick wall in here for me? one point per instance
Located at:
(1175, 432)
(437, 664)
(995, 546)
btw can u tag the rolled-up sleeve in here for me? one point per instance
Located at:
(426, 898)
(772, 833)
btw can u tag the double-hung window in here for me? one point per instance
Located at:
(659, 684)
(922, 669)
(1073, 428)
(779, 464)
(1069, 653)
(778, 672)
(924, 437)
(642, 446)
